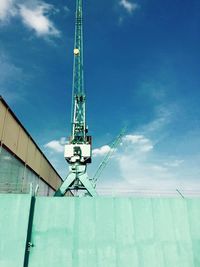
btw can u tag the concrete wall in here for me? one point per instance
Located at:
(14, 137)
(111, 232)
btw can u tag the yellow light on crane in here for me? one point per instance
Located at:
(76, 51)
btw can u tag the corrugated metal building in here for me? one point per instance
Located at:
(21, 161)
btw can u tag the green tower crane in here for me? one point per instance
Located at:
(78, 151)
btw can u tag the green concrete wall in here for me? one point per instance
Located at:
(14, 218)
(110, 232)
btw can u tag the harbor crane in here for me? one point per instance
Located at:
(78, 150)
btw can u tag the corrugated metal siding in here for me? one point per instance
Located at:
(111, 232)
(15, 177)
(15, 138)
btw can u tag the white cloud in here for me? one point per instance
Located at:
(37, 18)
(139, 141)
(55, 146)
(7, 9)
(174, 163)
(129, 6)
(34, 14)
(101, 151)
(140, 164)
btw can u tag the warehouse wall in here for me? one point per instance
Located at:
(16, 177)
(21, 158)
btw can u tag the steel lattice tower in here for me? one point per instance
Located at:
(78, 151)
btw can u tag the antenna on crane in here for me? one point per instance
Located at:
(78, 151)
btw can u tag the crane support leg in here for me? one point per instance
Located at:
(88, 185)
(77, 179)
(65, 185)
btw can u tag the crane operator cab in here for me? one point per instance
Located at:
(79, 152)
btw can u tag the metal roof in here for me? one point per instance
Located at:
(22, 126)
(15, 139)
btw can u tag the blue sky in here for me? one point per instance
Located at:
(142, 62)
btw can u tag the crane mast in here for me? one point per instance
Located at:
(78, 151)
(78, 94)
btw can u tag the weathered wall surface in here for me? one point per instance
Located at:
(14, 218)
(111, 232)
